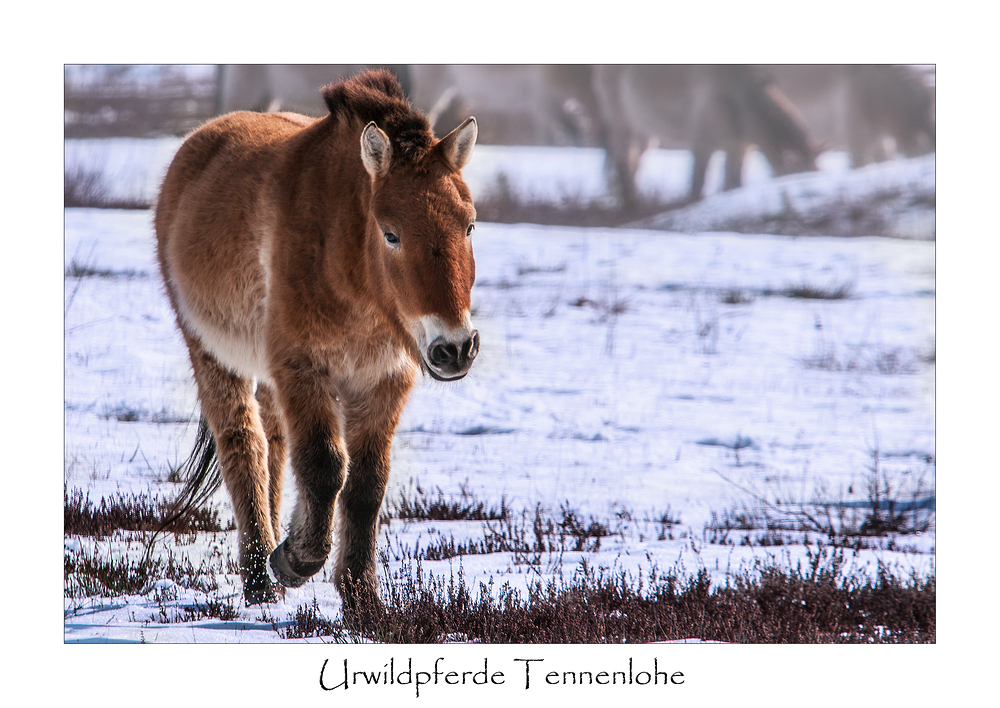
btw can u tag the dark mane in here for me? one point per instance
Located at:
(375, 95)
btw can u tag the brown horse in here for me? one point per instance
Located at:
(329, 261)
(702, 109)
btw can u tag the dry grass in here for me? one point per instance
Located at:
(822, 600)
(85, 188)
(417, 503)
(90, 572)
(82, 517)
(807, 291)
(817, 603)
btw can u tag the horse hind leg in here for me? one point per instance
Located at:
(233, 415)
(277, 452)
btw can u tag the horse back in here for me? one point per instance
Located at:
(214, 220)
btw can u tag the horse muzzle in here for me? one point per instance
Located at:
(448, 360)
(447, 350)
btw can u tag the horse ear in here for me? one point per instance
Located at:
(457, 145)
(376, 151)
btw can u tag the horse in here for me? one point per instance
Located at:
(329, 261)
(874, 112)
(529, 104)
(702, 109)
(286, 87)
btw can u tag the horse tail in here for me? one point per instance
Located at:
(202, 477)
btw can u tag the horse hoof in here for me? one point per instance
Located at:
(280, 568)
(259, 593)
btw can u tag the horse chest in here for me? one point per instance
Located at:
(360, 365)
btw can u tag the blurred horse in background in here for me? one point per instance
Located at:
(522, 105)
(786, 112)
(698, 108)
(874, 112)
(534, 104)
(295, 88)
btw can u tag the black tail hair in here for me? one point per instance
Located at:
(202, 478)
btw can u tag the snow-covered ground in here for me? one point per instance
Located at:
(627, 374)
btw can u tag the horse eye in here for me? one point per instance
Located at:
(391, 238)
(468, 231)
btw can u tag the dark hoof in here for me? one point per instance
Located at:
(259, 593)
(284, 573)
(257, 587)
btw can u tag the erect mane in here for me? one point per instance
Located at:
(376, 95)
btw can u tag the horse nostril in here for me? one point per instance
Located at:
(442, 355)
(471, 347)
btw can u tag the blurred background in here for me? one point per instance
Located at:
(641, 139)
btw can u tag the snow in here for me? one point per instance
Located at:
(137, 165)
(614, 377)
(533, 174)
(898, 196)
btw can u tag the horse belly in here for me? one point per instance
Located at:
(239, 347)
(222, 300)
(233, 335)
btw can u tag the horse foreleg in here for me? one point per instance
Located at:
(313, 418)
(373, 422)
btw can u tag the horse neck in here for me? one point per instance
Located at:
(357, 248)
(334, 183)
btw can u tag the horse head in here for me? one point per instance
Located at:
(423, 217)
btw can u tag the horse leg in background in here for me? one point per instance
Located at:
(277, 451)
(622, 164)
(373, 418)
(313, 416)
(233, 416)
(735, 155)
(701, 156)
